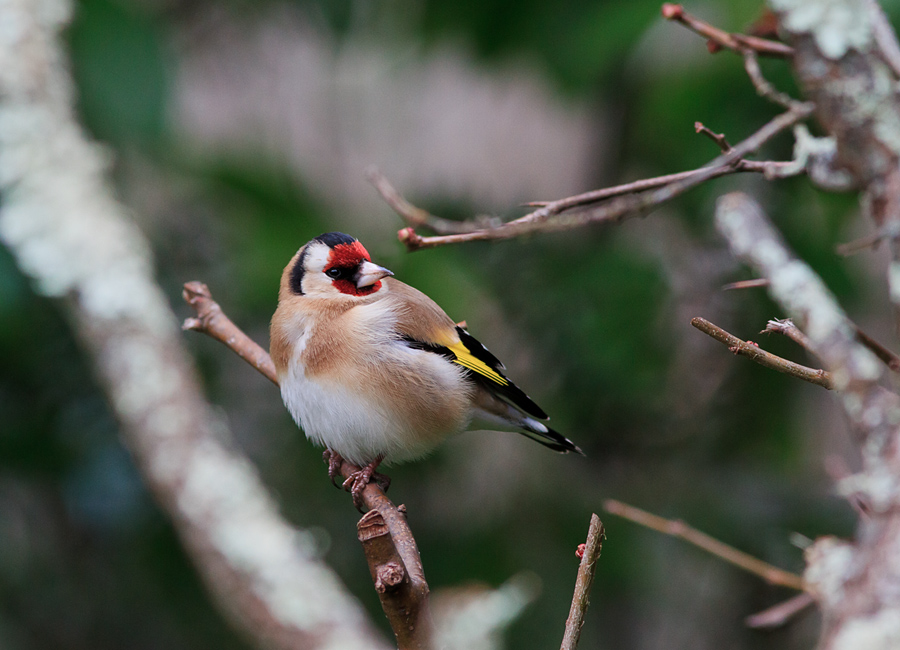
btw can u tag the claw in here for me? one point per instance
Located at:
(334, 461)
(357, 481)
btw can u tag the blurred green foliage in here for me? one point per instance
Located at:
(88, 561)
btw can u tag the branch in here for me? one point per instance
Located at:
(779, 614)
(65, 230)
(749, 47)
(418, 217)
(387, 541)
(850, 580)
(786, 327)
(211, 321)
(555, 216)
(586, 569)
(735, 42)
(402, 599)
(763, 87)
(746, 284)
(890, 359)
(771, 574)
(763, 358)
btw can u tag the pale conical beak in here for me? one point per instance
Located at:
(369, 274)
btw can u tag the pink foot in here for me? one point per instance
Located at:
(334, 461)
(357, 481)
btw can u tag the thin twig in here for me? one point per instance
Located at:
(622, 206)
(890, 359)
(404, 608)
(718, 138)
(552, 208)
(852, 247)
(675, 528)
(210, 320)
(416, 216)
(586, 571)
(779, 614)
(763, 87)
(786, 327)
(746, 284)
(790, 330)
(755, 353)
(749, 47)
(734, 42)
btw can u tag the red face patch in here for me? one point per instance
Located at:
(348, 257)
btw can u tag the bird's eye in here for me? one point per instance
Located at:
(334, 272)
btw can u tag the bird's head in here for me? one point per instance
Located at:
(334, 264)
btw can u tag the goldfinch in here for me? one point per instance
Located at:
(375, 371)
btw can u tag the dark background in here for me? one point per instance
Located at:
(240, 130)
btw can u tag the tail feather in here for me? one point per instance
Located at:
(540, 432)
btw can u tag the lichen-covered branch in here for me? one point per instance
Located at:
(66, 231)
(856, 584)
(845, 62)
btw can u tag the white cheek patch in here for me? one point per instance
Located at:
(314, 280)
(317, 258)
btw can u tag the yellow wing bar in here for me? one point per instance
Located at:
(466, 359)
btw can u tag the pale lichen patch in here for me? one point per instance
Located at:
(876, 632)
(829, 563)
(836, 25)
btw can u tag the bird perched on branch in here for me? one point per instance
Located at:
(375, 371)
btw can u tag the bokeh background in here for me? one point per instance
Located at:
(239, 130)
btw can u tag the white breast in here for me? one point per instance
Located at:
(361, 425)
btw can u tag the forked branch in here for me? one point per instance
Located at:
(609, 205)
(753, 352)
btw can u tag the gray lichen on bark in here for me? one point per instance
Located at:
(66, 231)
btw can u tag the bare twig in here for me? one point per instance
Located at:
(416, 216)
(622, 206)
(552, 208)
(746, 284)
(734, 42)
(749, 47)
(869, 241)
(675, 528)
(755, 353)
(779, 614)
(718, 138)
(890, 359)
(763, 87)
(406, 608)
(786, 327)
(583, 582)
(211, 321)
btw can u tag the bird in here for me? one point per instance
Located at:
(376, 372)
